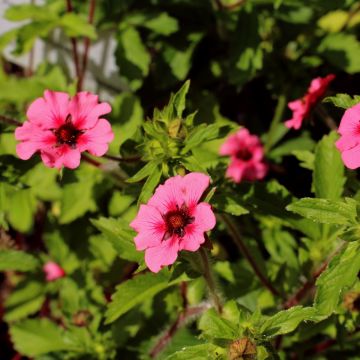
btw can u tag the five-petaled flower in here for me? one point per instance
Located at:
(53, 271)
(349, 142)
(301, 107)
(61, 128)
(173, 220)
(246, 156)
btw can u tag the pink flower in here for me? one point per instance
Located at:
(301, 107)
(173, 220)
(61, 128)
(349, 142)
(246, 156)
(53, 271)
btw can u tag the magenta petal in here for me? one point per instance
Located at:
(193, 186)
(86, 110)
(230, 146)
(61, 156)
(96, 140)
(150, 227)
(351, 157)
(50, 111)
(204, 217)
(192, 240)
(349, 124)
(168, 195)
(162, 255)
(235, 170)
(347, 142)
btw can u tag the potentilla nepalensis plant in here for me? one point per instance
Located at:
(246, 157)
(207, 230)
(301, 108)
(173, 220)
(60, 129)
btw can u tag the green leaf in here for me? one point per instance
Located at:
(286, 321)
(17, 260)
(132, 56)
(135, 291)
(214, 326)
(287, 148)
(229, 203)
(342, 50)
(77, 199)
(29, 11)
(343, 101)
(198, 352)
(326, 211)
(144, 172)
(120, 235)
(37, 336)
(200, 134)
(26, 299)
(22, 210)
(75, 25)
(328, 176)
(338, 277)
(162, 24)
(178, 100)
(150, 184)
(306, 158)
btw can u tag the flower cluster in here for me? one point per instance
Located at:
(301, 107)
(173, 220)
(246, 156)
(61, 128)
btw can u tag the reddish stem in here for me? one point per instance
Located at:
(179, 322)
(87, 42)
(69, 8)
(121, 159)
(9, 121)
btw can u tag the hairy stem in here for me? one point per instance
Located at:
(326, 118)
(236, 236)
(69, 8)
(180, 321)
(122, 159)
(209, 278)
(9, 121)
(87, 42)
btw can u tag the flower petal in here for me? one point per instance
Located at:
(204, 217)
(61, 156)
(165, 254)
(351, 157)
(86, 110)
(230, 146)
(150, 227)
(350, 122)
(168, 196)
(50, 111)
(193, 186)
(96, 139)
(192, 240)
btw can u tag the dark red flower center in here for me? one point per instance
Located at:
(67, 133)
(244, 154)
(176, 221)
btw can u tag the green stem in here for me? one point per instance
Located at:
(278, 115)
(209, 278)
(236, 236)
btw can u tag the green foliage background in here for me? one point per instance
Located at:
(300, 227)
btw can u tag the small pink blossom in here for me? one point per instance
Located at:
(349, 142)
(173, 220)
(61, 128)
(53, 271)
(301, 107)
(246, 156)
